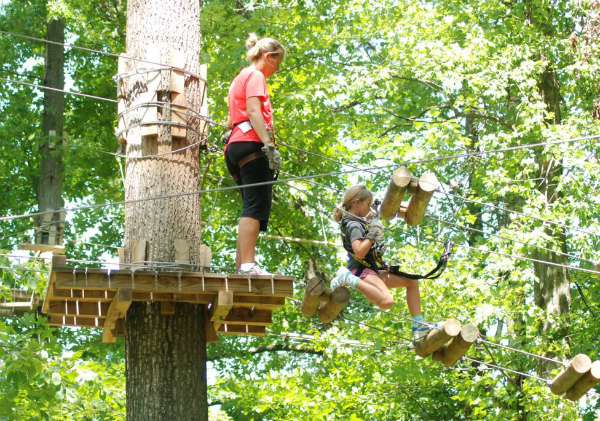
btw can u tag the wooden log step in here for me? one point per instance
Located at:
(459, 345)
(338, 300)
(394, 194)
(585, 383)
(437, 338)
(415, 213)
(576, 369)
(315, 287)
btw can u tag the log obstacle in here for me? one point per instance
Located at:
(428, 183)
(394, 194)
(458, 346)
(338, 299)
(437, 338)
(315, 287)
(585, 383)
(578, 366)
(420, 189)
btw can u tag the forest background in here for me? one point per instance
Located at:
(365, 84)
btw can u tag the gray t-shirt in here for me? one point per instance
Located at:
(352, 230)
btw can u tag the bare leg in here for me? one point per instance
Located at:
(413, 295)
(248, 230)
(376, 292)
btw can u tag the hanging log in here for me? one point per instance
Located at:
(315, 287)
(395, 191)
(415, 213)
(338, 300)
(585, 383)
(451, 353)
(565, 380)
(437, 338)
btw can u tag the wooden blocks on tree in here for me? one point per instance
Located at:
(579, 377)
(420, 189)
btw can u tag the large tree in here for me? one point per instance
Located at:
(165, 354)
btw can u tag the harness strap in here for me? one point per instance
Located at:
(249, 158)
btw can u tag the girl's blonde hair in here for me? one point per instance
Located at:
(354, 194)
(257, 47)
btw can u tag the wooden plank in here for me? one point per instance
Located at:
(139, 251)
(221, 307)
(204, 256)
(56, 262)
(182, 251)
(43, 248)
(258, 302)
(123, 256)
(75, 321)
(245, 316)
(171, 282)
(89, 295)
(167, 308)
(117, 310)
(242, 330)
(78, 308)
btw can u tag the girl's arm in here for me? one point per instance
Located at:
(361, 247)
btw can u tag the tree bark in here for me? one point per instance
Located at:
(552, 291)
(50, 226)
(165, 354)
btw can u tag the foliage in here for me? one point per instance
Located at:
(364, 84)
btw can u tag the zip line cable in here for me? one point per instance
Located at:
(105, 53)
(285, 181)
(97, 98)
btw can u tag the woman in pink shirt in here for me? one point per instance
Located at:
(250, 152)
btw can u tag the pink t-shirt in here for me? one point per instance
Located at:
(250, 82)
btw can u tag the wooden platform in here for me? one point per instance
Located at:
(238, 305)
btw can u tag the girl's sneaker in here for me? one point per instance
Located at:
(344, 278)
(252, 269)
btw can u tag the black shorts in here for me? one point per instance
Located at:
(256, 200)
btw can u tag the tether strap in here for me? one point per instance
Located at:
(436, 272)
(249, 158)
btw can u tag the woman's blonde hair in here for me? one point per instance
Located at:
(356, 193)
(257, 47)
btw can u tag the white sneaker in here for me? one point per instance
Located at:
(344, 277)
(253, 270)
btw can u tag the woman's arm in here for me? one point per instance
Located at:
(361, 248)
(253, 108)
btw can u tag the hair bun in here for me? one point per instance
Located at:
(251, 40)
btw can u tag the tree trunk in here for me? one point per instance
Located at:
(165, 354)
(552, 291)
(50, 227)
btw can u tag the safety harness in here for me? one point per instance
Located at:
(377, 263)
